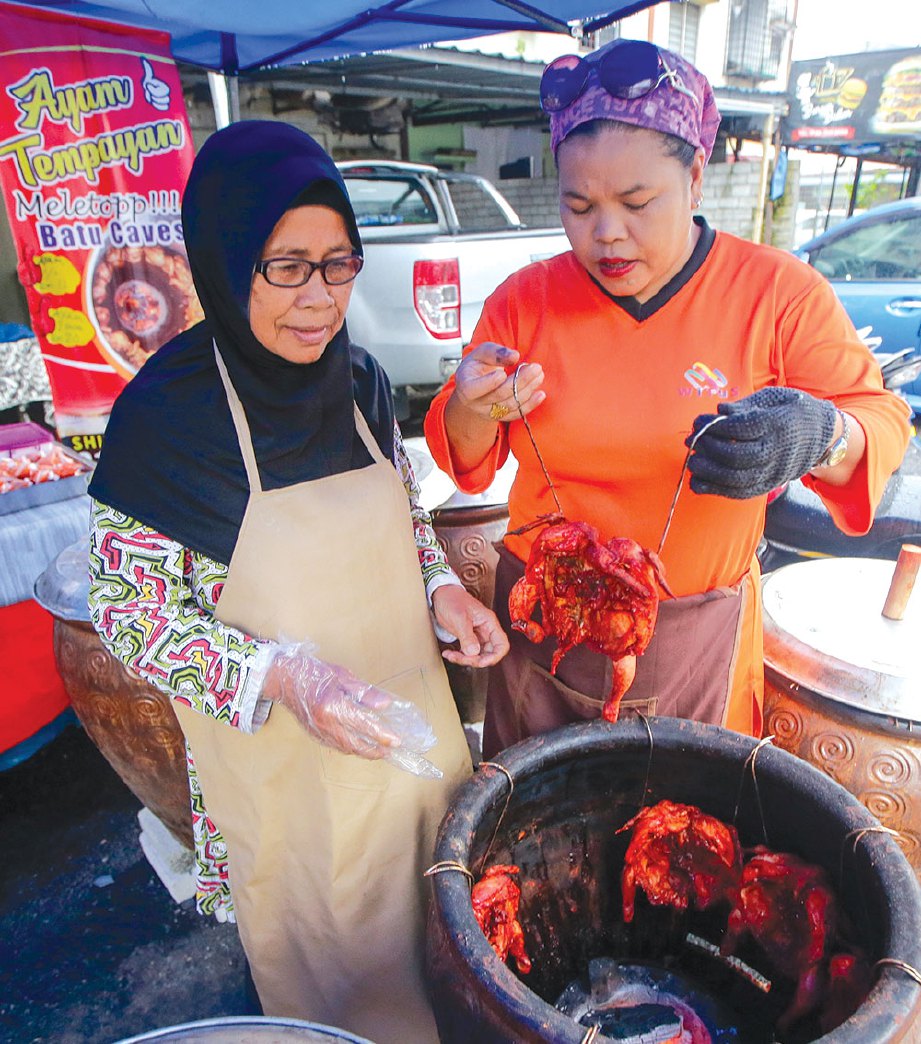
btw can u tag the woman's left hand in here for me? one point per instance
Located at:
(481, 639)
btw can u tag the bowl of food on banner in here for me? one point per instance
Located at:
(137, 298)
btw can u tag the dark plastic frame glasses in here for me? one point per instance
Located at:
(296, 271)
(631, 70)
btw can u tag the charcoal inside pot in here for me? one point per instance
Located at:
(639, 1002)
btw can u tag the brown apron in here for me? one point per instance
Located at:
(326, 850)
(685, 672)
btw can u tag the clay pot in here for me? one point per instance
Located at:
(843, 685)
(132, 723)
(573, 789)
(468, 527)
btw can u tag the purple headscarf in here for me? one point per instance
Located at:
(663, 109)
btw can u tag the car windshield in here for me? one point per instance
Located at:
(390, 201)
(880, 251)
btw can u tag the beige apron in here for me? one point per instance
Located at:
(325, 850)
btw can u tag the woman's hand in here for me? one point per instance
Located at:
(482, 641)
(484, 387)
(483, 396)
(333, 705)
(762, 441)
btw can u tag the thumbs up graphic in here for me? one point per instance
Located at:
(156, 91)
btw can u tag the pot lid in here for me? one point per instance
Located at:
(64, 587)
(256, 1029)
(824, 629)
(438, 490)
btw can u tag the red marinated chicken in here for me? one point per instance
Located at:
(600, 595)
(677, 854)
(787, 907)
(495, 898)
(849, 981)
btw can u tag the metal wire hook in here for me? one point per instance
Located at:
(687, 460)
(750, 761)
(508, 798)
(527, 425)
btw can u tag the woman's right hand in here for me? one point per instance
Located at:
(484, 386)
(332, 704)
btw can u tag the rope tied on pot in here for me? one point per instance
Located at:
(591, 1034)
(750, 762)
(448, 864)
(856, 836)
(904, 966)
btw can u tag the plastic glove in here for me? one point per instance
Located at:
(348, 714)
(764, 440)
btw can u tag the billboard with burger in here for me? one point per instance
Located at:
(855, 100)
(899, 108)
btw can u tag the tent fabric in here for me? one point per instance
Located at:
(233, 36)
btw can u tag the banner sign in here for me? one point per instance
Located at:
(857, 101)
(95, 150)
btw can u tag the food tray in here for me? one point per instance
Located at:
(16, 439)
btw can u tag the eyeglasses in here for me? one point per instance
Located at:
(295, 271)
(629, 70)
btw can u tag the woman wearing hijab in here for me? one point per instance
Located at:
(258, 553)
(616, 352)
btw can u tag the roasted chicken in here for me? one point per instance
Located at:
(495, 898)
(849, 981)
(602, 595)
(678, 854)
(787, 907)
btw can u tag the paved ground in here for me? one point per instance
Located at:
(92, 947)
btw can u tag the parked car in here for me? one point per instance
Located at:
(437, 244)
(873, 261)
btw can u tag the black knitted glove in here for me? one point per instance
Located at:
(766, 439)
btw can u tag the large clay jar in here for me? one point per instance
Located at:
(554, 806)
(131, 722)
(843, 685)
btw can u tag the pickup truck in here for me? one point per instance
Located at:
(436, 244)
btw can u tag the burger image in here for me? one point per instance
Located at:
(899, 109)
(852, 93)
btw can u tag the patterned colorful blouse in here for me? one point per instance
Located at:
(152, 602)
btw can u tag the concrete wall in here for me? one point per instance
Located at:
(730, 194)
(535, 199)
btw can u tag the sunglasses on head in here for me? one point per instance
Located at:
(631, 70)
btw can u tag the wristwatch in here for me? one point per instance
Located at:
(837, 451)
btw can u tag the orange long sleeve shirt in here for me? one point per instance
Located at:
(622, 395)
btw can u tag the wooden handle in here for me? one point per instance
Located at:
(903, 580)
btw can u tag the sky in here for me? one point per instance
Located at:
(830, 27)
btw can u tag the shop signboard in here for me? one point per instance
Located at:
(95, 150)
(854, 102)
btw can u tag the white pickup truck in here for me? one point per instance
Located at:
(436, 245)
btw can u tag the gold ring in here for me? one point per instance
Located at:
(498, 410)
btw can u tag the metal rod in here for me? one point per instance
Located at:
(540, 459)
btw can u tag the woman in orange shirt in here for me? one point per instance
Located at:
(618, 352)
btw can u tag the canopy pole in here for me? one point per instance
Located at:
(852, 202)
(225, 98)
(767, 140)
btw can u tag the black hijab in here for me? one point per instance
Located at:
(171, 457)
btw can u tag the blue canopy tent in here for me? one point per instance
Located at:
(236, 36)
